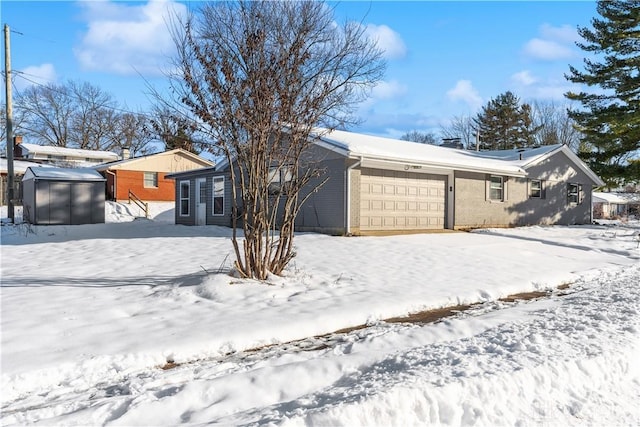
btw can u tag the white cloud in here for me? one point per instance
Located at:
(126, 39)
(464, 91)
(36, 74)
(565, 33)
(524, 78)
(554, 43)
(387, 40)
(554, 90)
(382, 92)
(547, 49)
(388, 90)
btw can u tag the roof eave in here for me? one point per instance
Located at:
(598, 182)
(518, 172)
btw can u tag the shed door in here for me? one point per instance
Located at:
(397, 200)
(201, 201)
(81, 203)
(59, 201)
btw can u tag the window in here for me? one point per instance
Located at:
(279, 178)
(218, 195)
(202, 196)
(573, 193)
(496, 187)
(151, 180)
(536, 189)
(185, 187)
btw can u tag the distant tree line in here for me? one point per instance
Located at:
(505, 123)
(81, 115)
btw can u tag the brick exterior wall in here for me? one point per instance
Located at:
(134, 181)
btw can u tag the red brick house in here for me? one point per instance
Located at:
(145, 176)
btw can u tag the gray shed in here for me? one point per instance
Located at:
(61, 196)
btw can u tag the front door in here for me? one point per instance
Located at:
(201, 201)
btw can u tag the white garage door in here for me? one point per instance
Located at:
(396, 200)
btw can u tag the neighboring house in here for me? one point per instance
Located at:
(383, 185)
(145, 176)
(62, 156)
(19, 168)
(615, 205)
(61, 196)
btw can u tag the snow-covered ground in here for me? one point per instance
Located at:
(92, 314)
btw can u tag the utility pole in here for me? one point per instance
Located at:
(7, 85)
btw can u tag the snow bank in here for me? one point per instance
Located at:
(91, 313)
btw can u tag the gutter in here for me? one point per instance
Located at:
(516, 171)
(348, 193)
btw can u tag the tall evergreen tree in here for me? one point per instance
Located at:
(505, 123)
(610, 117)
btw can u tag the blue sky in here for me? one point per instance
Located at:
(445, 59)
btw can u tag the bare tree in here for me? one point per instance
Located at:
(420, 137)
(556, 127)
(264, 77)
(461, 127)
(47, 111)
(93, 118)
(132, 131)
(176, 130)
(77, 115)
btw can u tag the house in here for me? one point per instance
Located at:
(615, 205)
(145, 176)
(61, 196)
(384, 185)
(19, 168)
(61, 156)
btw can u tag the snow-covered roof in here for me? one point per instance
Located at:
(618, 198)
(522, 156)
(117, 164)
(510, 162)
(19, 166)
(72, 152)
(63, 174)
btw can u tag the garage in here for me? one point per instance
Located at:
(399, 200)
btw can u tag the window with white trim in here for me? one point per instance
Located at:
(496, 188)
(218, 195)
(573, 193)
(185, 190)
(151, 180)
(535, 187)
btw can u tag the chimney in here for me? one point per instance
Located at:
(126, 153)
(17, 150)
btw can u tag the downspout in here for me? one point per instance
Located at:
(348, 194)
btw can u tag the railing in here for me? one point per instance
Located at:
(142, 205)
